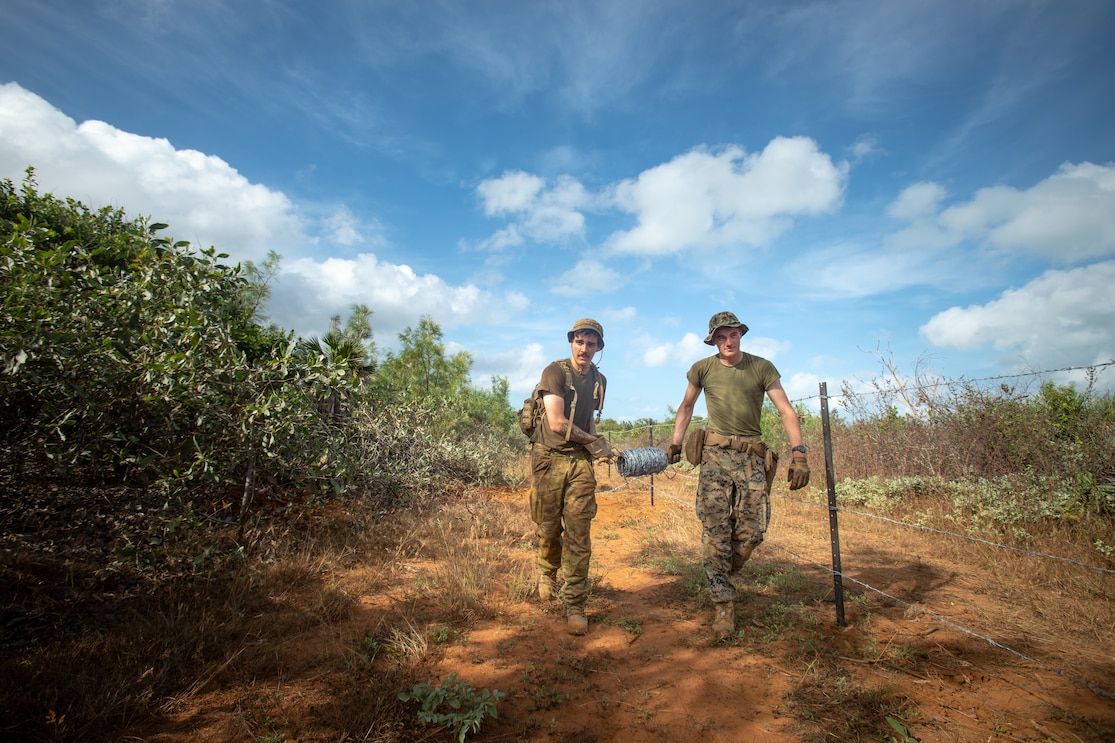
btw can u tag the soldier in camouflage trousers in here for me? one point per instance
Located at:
(733, 495)
(563, 483)
(732, 501)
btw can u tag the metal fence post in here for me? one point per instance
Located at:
(834, 530)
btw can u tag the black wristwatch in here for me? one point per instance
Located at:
(800, 448)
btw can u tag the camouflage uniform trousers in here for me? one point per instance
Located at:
(733, 506)
(563, 504)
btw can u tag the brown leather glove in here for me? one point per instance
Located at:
(599, 448)
(673, 453)
(798, 473)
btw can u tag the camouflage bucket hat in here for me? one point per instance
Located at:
(587, 324)
(724, 320)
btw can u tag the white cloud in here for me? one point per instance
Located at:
(308, 292)
(624, 314)
(588, 276)
(508, 237)
(542, 213)
(710, 199)
(201, 197)
(699, 199)
(1069, 216)
(806, 387)
(852, 271)
(917, 201)
(521, 366)
(683, 353)
(514, 191)
(342, 227)
(1061, 318)
(863, 148)
(207, 202)
(768, 348)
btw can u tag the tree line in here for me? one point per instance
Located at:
(127, 355)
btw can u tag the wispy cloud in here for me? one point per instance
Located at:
(1067, 217)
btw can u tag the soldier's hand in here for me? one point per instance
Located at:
(599, 448)
(673, 453)
(798, 474)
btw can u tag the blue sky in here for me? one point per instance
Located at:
(931, 180)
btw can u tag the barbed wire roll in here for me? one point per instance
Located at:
(638, 462)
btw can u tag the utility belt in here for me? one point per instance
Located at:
(748, 445)
(745, 444)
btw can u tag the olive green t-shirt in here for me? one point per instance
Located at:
(734, 394)
(590, 390)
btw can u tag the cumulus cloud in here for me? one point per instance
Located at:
(208, 202)
(308, 292)
(201, 197)
(1062, 318)
(729, 197)
(683, 353)
(542, 212)
(702, 198)
(1069, 216)
(514, 191)
(521, 367)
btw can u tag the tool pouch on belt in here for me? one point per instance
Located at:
(745, 444)
(772, 467)
(694, 446)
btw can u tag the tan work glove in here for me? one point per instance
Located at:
(798, 473)
(673, 453)
(599, 448)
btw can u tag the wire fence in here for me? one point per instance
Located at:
(1095, 688)
(650, 429)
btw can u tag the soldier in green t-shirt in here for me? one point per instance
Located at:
(563, 483)
(733, 498)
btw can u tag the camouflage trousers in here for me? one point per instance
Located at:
(733, 506)
(562, 505)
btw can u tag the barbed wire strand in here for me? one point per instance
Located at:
(1024, 551)
(892, 390)
(988, 542)
(944, 620)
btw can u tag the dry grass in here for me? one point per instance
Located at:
(291, 610)
(351, 608)
(1059, 614)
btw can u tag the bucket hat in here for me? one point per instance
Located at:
(587, 324)
(724, 320)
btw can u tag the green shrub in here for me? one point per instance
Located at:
(453, 704)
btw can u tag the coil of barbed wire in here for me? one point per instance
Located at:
(649, 460)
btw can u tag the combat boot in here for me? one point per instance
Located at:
(576, 621)
(547, 587)
(723, 620)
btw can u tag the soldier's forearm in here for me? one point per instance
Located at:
(576, 434)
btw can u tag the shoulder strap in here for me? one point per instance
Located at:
(568, 369)
(603, 386)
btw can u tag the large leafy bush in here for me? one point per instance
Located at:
(121, 350)
(125, 354)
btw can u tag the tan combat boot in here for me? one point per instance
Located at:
(576, 621)
(723, 620)
(547, 587)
